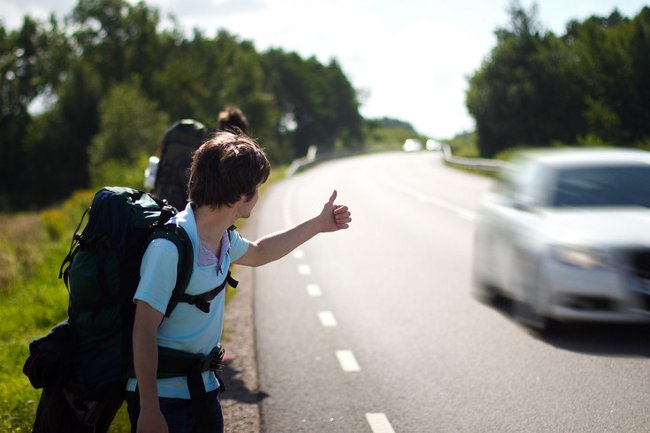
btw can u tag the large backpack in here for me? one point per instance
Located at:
(84, 362)
(86, 358)
(178, 144)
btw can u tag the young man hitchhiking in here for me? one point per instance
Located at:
(225, 177)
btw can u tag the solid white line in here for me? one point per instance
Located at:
(379, 423)
(327, 319)
(458, 210)
(304, 269)
(347, 360)
(314, 290)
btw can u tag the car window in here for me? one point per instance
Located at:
(603, 186)
(523, 182)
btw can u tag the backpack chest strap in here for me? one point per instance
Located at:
(202, 301)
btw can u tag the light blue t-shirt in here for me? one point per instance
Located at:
(187, 328)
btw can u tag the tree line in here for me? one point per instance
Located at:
(99, 88)
(588, 86)
(96, 90)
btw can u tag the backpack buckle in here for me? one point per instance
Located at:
(214, 361)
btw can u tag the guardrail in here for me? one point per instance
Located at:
(300, 163)
(493, 165)
(490, 165)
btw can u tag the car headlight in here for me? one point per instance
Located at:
(580, 257)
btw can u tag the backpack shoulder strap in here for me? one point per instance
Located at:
(177, 234)
(202, 301)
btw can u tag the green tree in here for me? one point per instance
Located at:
(57, 141)
(32, 60)
(130, 127)
(316, 103)
(502, 93)
(117, 39)
(587, 86)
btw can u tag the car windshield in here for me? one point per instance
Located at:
(603, 186)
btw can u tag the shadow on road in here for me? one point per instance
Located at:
(236, 388)
(603, 339)
(600, 339)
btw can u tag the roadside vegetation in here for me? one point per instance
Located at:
(107, 83)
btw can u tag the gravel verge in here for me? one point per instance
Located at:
(240, 401)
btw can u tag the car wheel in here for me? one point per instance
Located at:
(532, 309)
(484, 292)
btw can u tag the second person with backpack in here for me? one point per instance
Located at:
(167, 174)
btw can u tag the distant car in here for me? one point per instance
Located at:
(433, 145)
(412, 145)
(566, 235)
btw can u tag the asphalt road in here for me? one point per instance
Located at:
(374, 329)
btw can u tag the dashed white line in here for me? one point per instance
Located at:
(379, 423)
(314, 290)
(347, 360)
(298, 254)
(327, 319)
(304, 269)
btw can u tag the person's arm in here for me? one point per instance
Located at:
(271, 247)
(145, 362)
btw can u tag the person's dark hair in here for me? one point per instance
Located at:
(232, 119)
(225, 168)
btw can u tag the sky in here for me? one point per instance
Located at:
(409, 59)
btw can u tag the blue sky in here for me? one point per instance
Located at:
(409, 58)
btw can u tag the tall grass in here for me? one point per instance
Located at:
(32, 298)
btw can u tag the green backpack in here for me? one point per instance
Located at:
(87, 359)
(101, 272)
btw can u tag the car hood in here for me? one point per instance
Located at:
(599, 226)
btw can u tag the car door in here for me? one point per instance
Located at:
(513, 220)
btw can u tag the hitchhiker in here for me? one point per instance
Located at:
(226, 173)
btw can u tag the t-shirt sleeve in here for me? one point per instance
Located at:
(158, 274)
(238, 246)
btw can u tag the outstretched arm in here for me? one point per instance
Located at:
(271, 247)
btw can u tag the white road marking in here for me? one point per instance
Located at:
(347, 360)
(327, 319)
(314, 290)
(304, 269)
(460, 211)
(379, 423)
(298, 254)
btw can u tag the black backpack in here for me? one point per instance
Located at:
(178, 144)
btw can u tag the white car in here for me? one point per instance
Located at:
(566, 235)
(412, 145)
(433, 145)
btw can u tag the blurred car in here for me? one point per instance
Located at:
(433, 145)
(412, 145)
(566, 235)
